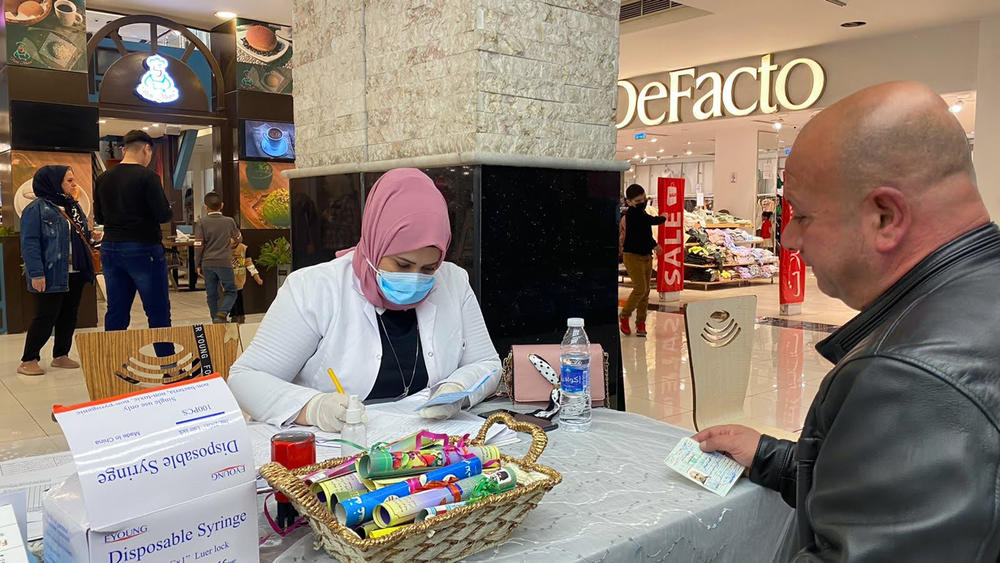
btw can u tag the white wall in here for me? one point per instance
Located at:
(736, 169)
(987, 146)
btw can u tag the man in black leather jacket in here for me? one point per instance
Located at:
(899, 458)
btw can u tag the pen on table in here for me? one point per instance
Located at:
(336, 382)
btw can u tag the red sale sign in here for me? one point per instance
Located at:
(670, 263)
(792, 274)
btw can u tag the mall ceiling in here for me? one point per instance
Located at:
(201, 13)
(708, 31)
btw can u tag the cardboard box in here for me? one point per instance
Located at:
(216, 528)
(164, 475)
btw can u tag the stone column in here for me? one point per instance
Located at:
(390, 80)
(509, 106)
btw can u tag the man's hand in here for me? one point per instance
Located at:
(258, 280)
(200, 274)
(738, 442)
(38, 284)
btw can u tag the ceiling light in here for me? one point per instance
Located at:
(853, 24)
(636, 155)
(156, 125)
(145, 128)
(688, 152)
(689, 142)
(628, 147)
(224, 15)
(661, 150)
(102, 121)
(777, 125)
(653, 140)
(956, 107)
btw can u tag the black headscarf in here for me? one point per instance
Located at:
(47, 185)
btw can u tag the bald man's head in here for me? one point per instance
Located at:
(868, 178)
(897, 134)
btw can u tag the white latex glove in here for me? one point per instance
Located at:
(328, 411)
(441, 412)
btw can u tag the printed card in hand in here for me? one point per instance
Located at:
(449, 398)
(713, 471)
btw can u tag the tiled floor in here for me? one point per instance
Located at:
(26, 402)
(817, 308)
(786, 371)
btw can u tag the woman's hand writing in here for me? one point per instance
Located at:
(328, 411)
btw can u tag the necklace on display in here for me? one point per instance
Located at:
(406, 386)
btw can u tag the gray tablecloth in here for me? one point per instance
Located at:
(619, 502)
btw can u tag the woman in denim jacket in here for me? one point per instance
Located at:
(57, 263)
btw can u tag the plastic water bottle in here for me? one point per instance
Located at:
(574, 357)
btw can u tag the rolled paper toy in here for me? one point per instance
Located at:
(379, 532)
(353, 511)
(394, 512)
(415, 441)
(364, 530)
(432, 511)
(381, 463)
(503, 480)
(333, 491)
(331, 473)
(422, 440)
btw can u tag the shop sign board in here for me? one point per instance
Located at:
(716, 94)
(792, 274)
(670, 262)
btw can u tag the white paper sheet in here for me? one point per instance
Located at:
(35, 475)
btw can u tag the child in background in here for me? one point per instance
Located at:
(213, 257)
(241, 265)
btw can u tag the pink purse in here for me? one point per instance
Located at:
(530, 386)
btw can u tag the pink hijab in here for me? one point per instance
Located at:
(405, 211)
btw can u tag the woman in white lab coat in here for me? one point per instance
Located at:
(389, 317)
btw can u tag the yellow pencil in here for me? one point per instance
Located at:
(336, 382)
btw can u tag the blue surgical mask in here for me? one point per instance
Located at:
(403, 288)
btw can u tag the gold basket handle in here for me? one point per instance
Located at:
(538, 437)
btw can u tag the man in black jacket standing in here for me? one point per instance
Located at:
(899, 458)
(129, 202)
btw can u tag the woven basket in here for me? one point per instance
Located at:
(451, 536)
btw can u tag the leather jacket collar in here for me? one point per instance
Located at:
(961, 249)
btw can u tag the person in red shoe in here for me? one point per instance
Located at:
(637, 254)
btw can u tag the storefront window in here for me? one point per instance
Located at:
(139, 33)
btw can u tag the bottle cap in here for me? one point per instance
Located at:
(354, 410)
(574, 322)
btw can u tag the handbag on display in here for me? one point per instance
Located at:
(531, 374)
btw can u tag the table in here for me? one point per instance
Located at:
(192, 269)
(594, 514)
